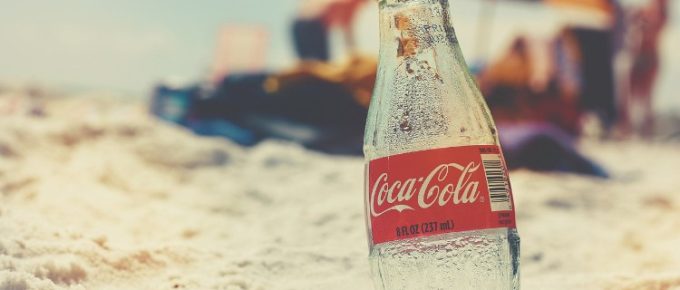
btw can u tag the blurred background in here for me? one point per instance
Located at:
(198, 99)
(585, 60)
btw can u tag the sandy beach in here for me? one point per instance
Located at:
(96, 194)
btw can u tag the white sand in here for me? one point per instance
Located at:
(99, 196)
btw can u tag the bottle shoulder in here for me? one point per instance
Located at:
(426, 109)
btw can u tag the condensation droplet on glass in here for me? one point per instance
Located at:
(405, 124)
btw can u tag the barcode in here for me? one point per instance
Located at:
(499, 189)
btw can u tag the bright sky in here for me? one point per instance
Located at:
(130, 44)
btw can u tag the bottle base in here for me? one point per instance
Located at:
(485, 259)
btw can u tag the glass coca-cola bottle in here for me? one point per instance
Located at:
(439, 205)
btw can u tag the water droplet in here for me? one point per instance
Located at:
(405, 125)
(409, 69)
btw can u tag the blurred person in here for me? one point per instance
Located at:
(518, 89)
(356, 73)
(505, 82)
(538, 122)
(316, 18)
(566, 65)
(648, 25)
(561, 103)
(513, 68)
(321, 105)
(598, 46)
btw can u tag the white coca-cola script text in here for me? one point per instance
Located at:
(439, 188)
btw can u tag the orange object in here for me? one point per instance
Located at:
(599, 5)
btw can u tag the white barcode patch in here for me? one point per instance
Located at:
(497, 180)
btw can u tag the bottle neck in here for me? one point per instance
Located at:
(424, 95)
(416, 27)
(417, 33)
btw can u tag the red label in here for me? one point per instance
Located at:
(438, 191)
